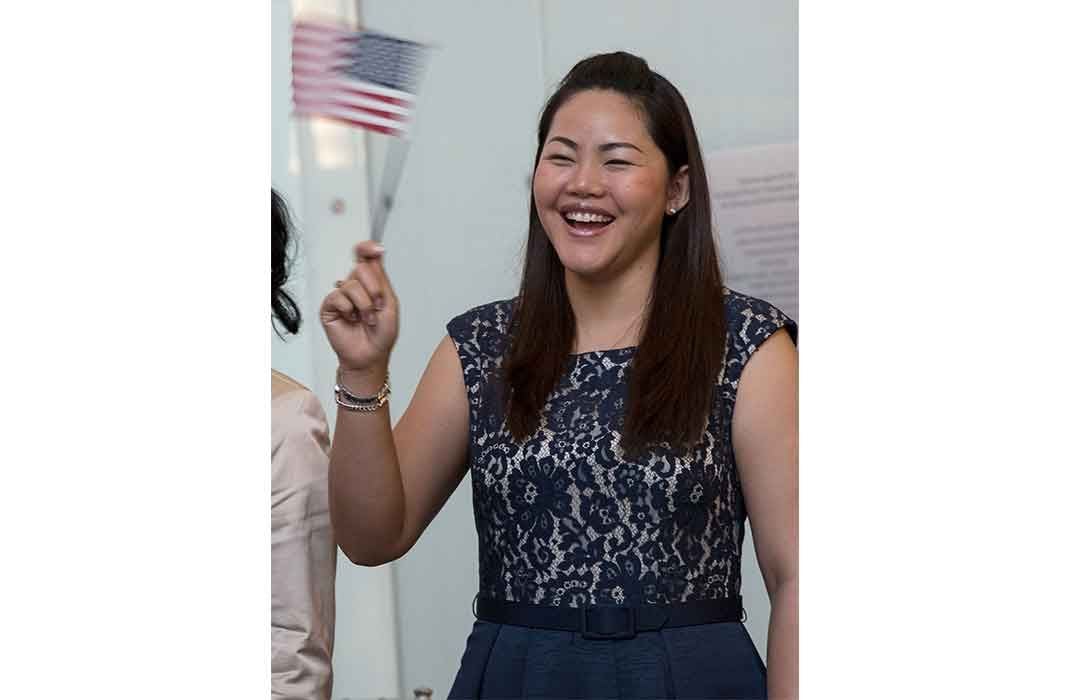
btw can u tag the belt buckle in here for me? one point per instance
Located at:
(630, 616)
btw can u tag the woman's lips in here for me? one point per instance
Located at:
(586, 229)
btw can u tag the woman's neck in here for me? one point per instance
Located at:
(610, 314)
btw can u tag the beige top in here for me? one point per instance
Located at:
(303, 546)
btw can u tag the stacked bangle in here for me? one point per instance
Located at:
(352, 402)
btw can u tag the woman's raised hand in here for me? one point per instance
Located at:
(360, 316)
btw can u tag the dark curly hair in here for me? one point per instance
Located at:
(285, 311)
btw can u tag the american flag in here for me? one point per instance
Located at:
(365, 79)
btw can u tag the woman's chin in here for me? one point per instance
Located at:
(586, 268)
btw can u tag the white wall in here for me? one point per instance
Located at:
(315, 163)
(455, 237)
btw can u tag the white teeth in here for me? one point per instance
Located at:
(588, 217)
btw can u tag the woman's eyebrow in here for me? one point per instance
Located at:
(602, 148)
(618, 144)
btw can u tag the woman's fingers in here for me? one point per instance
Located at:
(368, 250)
(366, 290)
(372, 282)
(369, 271)
(337, 305)
(360, 315)
(361, 300)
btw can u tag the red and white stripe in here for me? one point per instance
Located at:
(319, 51)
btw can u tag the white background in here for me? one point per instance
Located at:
(934, 145)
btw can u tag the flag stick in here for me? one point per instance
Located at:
(392, 173)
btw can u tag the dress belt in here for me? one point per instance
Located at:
(609, 621)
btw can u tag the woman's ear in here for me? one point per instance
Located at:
(677, 192)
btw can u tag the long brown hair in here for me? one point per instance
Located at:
(680, 352)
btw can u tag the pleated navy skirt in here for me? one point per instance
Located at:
(704, 661)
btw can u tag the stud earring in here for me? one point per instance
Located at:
(672, 211)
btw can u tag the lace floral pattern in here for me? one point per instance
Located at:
(564, 518)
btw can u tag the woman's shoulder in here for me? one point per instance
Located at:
(480, 333)
(753, 319)
(750, 322)
(283, 384)
(300, 439)
(294, 406)
(494, 314)
(490, 320)
(297, 416)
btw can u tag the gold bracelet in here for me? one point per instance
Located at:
(352, 402)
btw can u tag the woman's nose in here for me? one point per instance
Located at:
(587, 180)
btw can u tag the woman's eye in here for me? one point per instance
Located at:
(618, 162)
(559, 158)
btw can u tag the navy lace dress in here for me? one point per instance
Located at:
(565, 519)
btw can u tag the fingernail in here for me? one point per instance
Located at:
(376, 248)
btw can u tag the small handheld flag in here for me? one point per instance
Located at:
(361, 78)
(364, 79)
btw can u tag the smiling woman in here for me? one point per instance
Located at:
(616, 417)
(617, 139)
(601, 173)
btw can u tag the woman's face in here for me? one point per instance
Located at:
(602, 186)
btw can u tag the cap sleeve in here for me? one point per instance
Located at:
(750, 322)
(479, 336)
